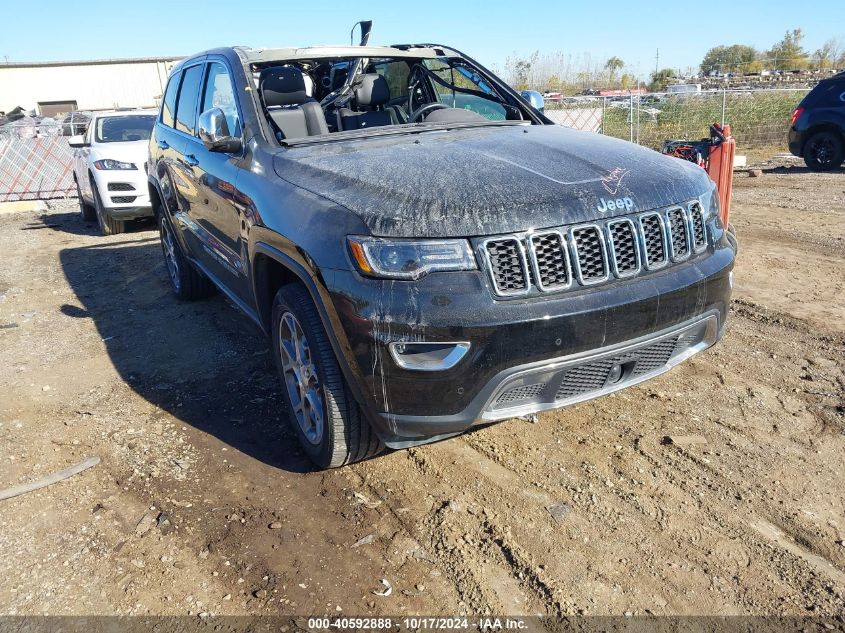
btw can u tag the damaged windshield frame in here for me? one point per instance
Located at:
(463, 90)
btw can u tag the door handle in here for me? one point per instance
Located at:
(163, 145)
(191, 160)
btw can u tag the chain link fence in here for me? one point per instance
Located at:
(758, 118)
(36, 161)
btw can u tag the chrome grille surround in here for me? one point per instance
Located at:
(622, 248)
(652, 228)
(500, 274)
(678, 229)
(592, 253)
(542, 267)
(698, 230)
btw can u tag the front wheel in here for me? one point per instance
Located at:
(824, 151)
(108, 224)
(322, 412)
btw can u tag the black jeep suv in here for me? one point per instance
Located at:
(425, 249)
(817, 131)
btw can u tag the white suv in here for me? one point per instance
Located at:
(108, 167)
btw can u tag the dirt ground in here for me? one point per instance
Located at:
(203, 504)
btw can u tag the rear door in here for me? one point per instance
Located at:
(172, 145)
(166, 147)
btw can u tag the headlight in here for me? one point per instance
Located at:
(409, 259)
(710, 204)
(108, 163)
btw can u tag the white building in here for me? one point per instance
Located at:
(103, 84)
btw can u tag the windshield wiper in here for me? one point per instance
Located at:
(395, 130)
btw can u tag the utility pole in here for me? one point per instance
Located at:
(656, 60)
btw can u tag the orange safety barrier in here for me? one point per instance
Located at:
(720, 168)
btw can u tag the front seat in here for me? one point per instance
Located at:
(293, 112)
(370, 96)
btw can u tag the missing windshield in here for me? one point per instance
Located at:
(325, 97)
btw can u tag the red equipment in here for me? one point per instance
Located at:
(720, 167)
(716, 156)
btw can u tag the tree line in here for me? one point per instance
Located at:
(560, 72)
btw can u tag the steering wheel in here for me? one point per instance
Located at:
(412, 118)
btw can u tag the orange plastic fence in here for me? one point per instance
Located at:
(720, 168)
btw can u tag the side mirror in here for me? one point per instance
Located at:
(535, 99)
(214, 132)
(77, 141)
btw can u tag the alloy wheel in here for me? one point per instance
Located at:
(823, 151)
(168, 245)
(301, 379)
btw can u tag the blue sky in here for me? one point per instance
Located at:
(490, 31)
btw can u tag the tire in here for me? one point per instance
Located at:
(88, 213)
(187, 283)
(108, 225)
(345, 436)
(824, 151)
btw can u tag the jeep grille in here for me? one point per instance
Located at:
(589, 254)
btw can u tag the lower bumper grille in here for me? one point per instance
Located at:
(123, 199)
(563, 381)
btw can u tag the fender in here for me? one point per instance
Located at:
(152, 181)
(328, 317)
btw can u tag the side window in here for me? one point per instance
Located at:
(168, 104)
(460, 76)
(219, 93)
(186, 104)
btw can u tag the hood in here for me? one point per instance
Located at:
(127, 152)
(490, 180)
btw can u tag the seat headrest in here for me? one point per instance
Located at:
(282, 86)
(372, 91)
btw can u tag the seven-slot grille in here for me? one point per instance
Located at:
(594, 253)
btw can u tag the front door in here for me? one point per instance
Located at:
(214, 217)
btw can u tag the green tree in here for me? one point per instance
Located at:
(660, 79)
(612, 65)
(788, 54)
(728, 59)
(828, 55)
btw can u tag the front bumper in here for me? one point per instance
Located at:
(124, 193)
(525, 345)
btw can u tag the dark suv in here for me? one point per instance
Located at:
(817, 131)
(425, 249)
